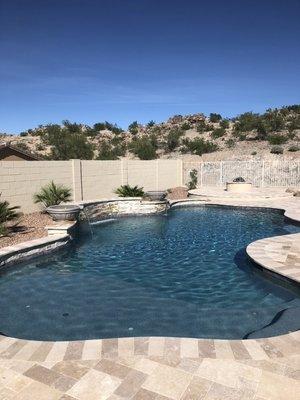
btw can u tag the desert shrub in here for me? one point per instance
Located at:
(151, 123)
(192, 184)
(199, 146)
(230, 143)
(213, 117)
(143, 148)
(100, 126)
(22, 146)
(23, 133)
(114, 128)
(217, 133)
(153, 140)
(129, 191)
(156, 129)
(293, 148)
(293, 123)
(65, 143)
(52, 194)
(107, 152)
(201, 127)
(246, 122)
(7, 213)
(262, 130)
(185, 126)
(253, 153)
(40, 147)
(224, 123)
(209, 127)
(133, 128)
(295, 108)
(273, 120)
(277, 139)
(173, 139)
(276, 150)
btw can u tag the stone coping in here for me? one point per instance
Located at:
(86, 203)
(159, 368)
(279, 254)
(59, 235)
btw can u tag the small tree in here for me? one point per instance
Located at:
(213, 117)
(151, 123)
(133, 128)
(52, 194)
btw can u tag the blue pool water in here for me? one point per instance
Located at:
(185, 274)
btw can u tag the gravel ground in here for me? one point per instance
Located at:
(31, 226)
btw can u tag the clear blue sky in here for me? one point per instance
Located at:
(125, 60)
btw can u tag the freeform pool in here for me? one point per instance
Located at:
(185, 274)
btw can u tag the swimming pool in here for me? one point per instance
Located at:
(184, 274)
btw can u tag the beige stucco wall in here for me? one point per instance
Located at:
(88, 180)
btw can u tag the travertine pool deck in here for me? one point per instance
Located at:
(166, 368)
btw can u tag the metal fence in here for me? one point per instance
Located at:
(259, 173)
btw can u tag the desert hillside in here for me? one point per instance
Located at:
(273, 134)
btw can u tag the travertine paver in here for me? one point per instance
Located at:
(165, 368)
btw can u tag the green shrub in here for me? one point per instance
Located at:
(144, 148)
(185, 126)
(66, 142)
(52, 194)
(133, 128)
(274, 120)
(199, 146)
(293, 148)
(246, 122)
(276, 150)
(230, 143)
(173, 139)
(277, 139)
(129, 191)
(201, 127)
(23, 133)
(7, 213)
(101, 126)
(40, 147)
(217, 133)
(213, 117)
(108, 152)
(209, 127)
(253, 153)
(224, 124)
(192, 184)
(151, 123)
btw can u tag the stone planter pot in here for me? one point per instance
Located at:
(155, 195)
(64, 212)
(238, 187)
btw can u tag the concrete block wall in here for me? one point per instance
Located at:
(19, 180)
(89, 180)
